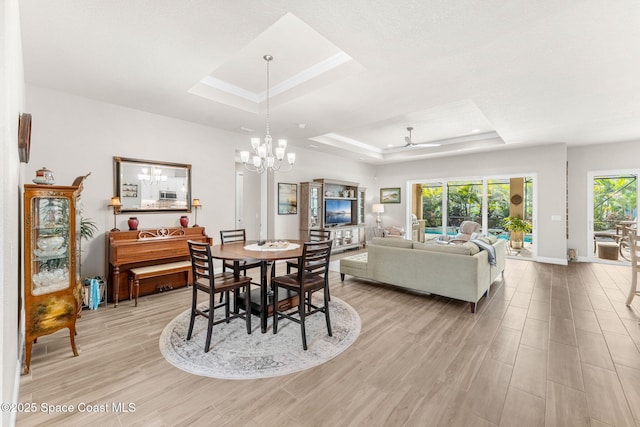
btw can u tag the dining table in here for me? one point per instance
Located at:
(268, 253)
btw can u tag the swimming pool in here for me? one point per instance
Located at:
(452, 232)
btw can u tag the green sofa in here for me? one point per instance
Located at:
(460, 271)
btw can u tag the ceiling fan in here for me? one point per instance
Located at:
(410, 143)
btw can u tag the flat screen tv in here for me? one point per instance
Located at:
(337, 212)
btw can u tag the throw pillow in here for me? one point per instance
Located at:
(472, 247)
(491, 239)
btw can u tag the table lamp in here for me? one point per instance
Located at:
(378, 209)
(196, 205)
(116, 205)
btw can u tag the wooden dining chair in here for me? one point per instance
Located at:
(205, 280)
(317, 235)
(634, 247)
(312, 276)
(238, 236)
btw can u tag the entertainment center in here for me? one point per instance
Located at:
(337, 206)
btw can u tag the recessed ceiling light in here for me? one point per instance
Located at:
(475, 131)
(389, 145)
(302, 125)
(245, 129)
(313, 146)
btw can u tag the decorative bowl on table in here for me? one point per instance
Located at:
(277, 244)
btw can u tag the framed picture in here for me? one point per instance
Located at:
(129, 190)
(287, 199)
(390, 195)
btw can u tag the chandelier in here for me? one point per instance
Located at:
(156, 177)
(264, 156)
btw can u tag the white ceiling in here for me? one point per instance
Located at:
(472, 75)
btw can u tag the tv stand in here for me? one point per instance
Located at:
(347, 237)
(313, 197)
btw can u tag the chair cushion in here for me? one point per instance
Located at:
(223, 281)
(469, 227)
(487, 238)
(312, 281)
(472, 247)
(394, 231)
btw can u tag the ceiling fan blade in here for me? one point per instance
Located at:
(408, 140)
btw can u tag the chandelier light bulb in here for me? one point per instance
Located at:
(244, 156)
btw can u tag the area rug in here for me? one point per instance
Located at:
(234, 354)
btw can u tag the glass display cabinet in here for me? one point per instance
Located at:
(52, 285)
(362, 193)
(311, 202)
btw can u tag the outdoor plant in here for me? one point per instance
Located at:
(516, 224)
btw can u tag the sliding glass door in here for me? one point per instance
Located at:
(613, 206)
(445, 204)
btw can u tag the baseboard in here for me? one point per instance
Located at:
(559, 261)
(602, 261)
(16, 381)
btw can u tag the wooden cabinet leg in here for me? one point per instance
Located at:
(27, 357)
(72, 338)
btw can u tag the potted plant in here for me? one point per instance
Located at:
(516, 227)
(88, 227)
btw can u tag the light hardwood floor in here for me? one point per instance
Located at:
(552, 346)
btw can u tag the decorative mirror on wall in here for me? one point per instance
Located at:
(152, 186)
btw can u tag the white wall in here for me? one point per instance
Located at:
(592, 158)
(310, 165)
(73, 136)
(11, 105)
(547, 163)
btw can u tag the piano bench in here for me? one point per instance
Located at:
(141, 273)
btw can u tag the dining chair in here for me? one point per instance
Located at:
(205, 280)
(238, 236)
(634, 247)
(623, 230)
(316, 235)
(312, 276)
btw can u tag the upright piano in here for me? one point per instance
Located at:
(141, 248)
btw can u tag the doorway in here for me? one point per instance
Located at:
(613, 209)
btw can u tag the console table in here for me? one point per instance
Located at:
(128, 250)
